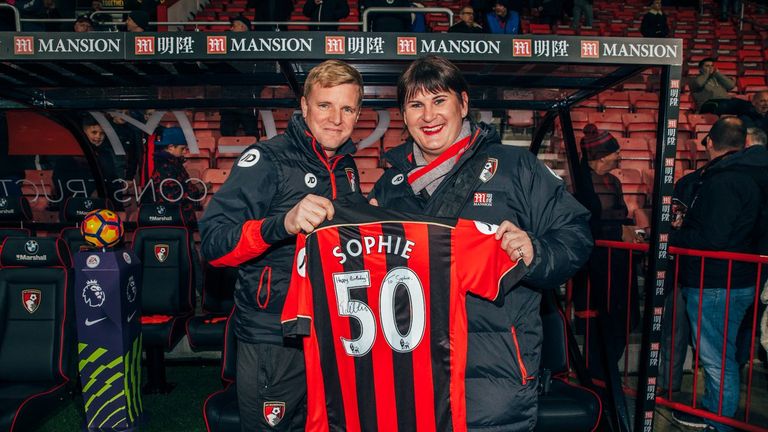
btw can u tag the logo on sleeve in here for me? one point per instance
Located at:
(351, 177)
(486, 228)
(489, 169)
(301, 262)
(310, 180)
(30, 299)
(249, 158)
(274, 412)
(396, 180)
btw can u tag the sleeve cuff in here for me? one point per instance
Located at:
(297, 327)
(273, 229)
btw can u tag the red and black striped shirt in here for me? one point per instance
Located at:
(381, 298)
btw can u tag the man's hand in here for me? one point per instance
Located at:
(515, 242)
(307, 214)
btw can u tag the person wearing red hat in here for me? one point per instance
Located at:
(610, 220)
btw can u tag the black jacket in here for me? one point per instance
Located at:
(501, 392)
(388, 22)
(727, 202)
(243, 224)
(328, 10)
(654, 25)
(462, 27)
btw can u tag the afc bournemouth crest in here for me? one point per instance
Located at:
(30, 299)
(489, 169)
(351, 177)
(274, 412)
(161, 252)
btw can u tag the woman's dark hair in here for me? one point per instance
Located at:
(431, 74)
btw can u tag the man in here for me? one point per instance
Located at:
(467, 23)
(277, 189)
(388, 22)
(454, 167)
(83, 24)
(724, 214)
(502, 20)
(232, 119)
(756, 137)
(710, 91)
(137, 22)
(326, 10)
(757, 116)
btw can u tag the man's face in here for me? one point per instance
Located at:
(116, 119)
(331, 114)
(708, 67)
(177, 150)
(613, 160)
(500, 10)
(83, 27)
(434, 120)
(468, 15)
(96, 5)
(238, 26)
(95, 134)
(760, 101)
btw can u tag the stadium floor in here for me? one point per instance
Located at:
(181, 410)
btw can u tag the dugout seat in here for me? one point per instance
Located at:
(73, 212)
(37, 332)
(164, 247)
(220, 410)
(564, 406)
(206, 332)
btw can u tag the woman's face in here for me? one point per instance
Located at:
(434, 120)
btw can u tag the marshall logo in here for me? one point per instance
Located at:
(521, 47)
(351, 177)
(216, 44)
(406, 46)
(483, 199)
(590, 49)
(23, 45)
(274, 412)
(489, 169)
(30, 299)
(161, 252)
(160, 210)
(335, 44)
(31, 247)
(144, 45)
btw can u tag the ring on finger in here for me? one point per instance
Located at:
(520, 253)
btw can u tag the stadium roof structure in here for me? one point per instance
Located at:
(57, 72)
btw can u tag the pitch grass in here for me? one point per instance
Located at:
(179, 411)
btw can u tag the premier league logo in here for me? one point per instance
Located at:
(93, 294)
(161, 252)
(31, 247)
(131, 290)
(30, 299)
(274, 412)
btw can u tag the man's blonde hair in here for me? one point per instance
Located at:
(332, 73)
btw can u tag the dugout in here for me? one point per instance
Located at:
(53, 75)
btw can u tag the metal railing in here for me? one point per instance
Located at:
(16, 16)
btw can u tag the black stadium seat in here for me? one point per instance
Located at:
(37, 333)
(220, 409)
(164, 247)
(563, 405)
(206, 332)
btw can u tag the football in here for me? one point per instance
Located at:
(102, 228)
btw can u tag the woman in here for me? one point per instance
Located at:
(454, 167)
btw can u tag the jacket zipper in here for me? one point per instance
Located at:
(325, 161)
(523, 371)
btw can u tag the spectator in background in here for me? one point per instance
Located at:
(271, 10)
(608, 299)
(388, 22)
(232, 119)
(326, 10)
(51, 12)
(710, 91)
(724, 215)
(467, 22)
(83, 24)
(419, 20)
(655, 22)
(169, 164)
(137, 22)
(502, 20)
(579, 7)
(550, 12)
(757, 116)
